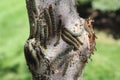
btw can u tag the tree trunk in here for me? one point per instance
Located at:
(60, 41)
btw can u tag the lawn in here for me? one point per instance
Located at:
(105, 63)
(14, 31)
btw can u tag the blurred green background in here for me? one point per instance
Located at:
(14, 31)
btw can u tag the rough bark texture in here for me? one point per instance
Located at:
(60, 41)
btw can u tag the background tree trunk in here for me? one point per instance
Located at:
(60, 41)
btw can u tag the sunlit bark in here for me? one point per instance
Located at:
(60, 41)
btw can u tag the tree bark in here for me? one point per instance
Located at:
(60, 41)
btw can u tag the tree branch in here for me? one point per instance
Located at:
(60, 41)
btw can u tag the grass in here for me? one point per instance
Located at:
(14, 30)
(105, 62)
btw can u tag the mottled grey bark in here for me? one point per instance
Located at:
(60, 41)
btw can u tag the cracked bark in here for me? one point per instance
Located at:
(60, 41)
